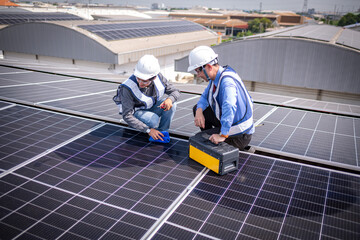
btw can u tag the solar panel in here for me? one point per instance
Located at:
(23, 78)
(113, 183)
(64, 70)
(14, 18)
(322, 136)
(324, 106)
(68, 87)
(183, 121)
(281, 133)
(4, 105)
(118, 31)
(26, 132)
(95, 105)
(272, 199)
(109, 183)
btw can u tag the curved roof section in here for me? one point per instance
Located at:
(291, 62)
(350, 38)
(50, 39)
(326, 33)
(118, 31)
(8, 18)
(318, 32)
(66, 39)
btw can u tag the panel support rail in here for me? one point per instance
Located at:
(158, 224)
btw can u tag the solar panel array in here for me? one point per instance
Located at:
(321, 136)
(338, 108)
(269, 199)
(14, 18)
(63, 69)
(110, 182)
(67, 177)
(118, 31)
(284, 130)
(27, 132)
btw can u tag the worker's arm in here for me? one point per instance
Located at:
(228, 103)
(199, 118)
(128, 107)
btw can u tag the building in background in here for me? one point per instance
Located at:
(114, 46)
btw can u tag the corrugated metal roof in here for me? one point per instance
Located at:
(349, 38)
(74, 38)
(326, 33)
(318, 32)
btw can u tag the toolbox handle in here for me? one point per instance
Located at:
(206, 137)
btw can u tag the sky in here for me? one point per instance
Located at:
(292, 5)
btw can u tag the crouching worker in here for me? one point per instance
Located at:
(141, 99)
(225, 108)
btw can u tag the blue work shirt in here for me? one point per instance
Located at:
(232, 100)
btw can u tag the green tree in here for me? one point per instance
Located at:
(348, 19)
(254, 25)
(259, 25)
(266, 23)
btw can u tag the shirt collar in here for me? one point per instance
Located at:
(218, 74)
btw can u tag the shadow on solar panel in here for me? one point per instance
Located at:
(120, 149)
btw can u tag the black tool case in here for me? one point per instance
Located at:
(221, 158)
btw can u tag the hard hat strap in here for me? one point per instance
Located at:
(206, 75)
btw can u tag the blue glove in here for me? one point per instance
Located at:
(166, 138)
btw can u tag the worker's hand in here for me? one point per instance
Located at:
(166, 105)
(216, 138)
(156, 135)
(199, 118)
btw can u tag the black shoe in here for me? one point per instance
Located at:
(249, 149)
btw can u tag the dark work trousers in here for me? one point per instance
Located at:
(213, 125)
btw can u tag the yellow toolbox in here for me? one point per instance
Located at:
(221, 158)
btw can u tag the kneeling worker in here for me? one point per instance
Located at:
(141, 102)
(225, 108)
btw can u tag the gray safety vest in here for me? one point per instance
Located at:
(148, 102)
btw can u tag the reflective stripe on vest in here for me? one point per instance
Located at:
(148, 102)
(245, 123)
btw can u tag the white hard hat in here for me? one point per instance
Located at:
(147, 67)
(200, 56)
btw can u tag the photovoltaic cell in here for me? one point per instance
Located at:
(14, 18)
(260, 110)
(104, 106)
(27, 132)
(16, 77)
(117, 31)
(49, 91)
(268, 198)
(290, 131)
(323, 136)
(4, 104)
(325, 106)
(183, 121)
(110, 183)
